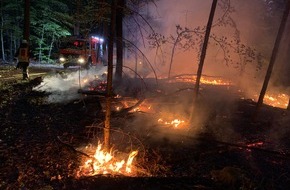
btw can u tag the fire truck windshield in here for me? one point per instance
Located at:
(76, 44)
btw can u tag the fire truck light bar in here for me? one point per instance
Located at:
(99, 39)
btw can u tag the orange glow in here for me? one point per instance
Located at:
(145, 106)
(176, 123)
(255, 144)
(278, 100)
(275, 100)
(103, 162)
(203, 80)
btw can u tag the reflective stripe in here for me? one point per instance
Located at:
(23, 55)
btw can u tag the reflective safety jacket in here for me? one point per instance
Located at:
(23, 55)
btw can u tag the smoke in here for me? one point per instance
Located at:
(244, 25)
(64, 87)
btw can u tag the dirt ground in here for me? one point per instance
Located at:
(227, 149)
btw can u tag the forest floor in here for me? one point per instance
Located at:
(224, 148)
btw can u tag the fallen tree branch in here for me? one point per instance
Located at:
(126, 110)
(240, 146)
(72, 148)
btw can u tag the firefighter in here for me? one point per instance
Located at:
(23, 55)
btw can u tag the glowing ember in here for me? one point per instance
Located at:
(255, 144)
(143, 107)
(279, 100)
(103, 162)
(214, 81)
(175, 122)
(203, 80)
(275, 100)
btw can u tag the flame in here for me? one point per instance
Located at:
(276, 100)
(143, 107)
(103, 162)
(203, 80)
(214, 81)
(176, 122)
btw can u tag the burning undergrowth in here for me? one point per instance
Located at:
(126, 157)
(223, 143)
(102, 162)
(155, 113)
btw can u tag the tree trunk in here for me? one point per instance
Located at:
(110, 78)
(77, 19)
(26, 31)
(119, 34)
(40, 46)
(172, 55)
(204, 47)
(1, 38)
(273, 59)
(104, 28)
(202, 57)
(50, 48)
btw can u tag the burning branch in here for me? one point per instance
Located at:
(126, 110)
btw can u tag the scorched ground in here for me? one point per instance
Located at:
(226, 149)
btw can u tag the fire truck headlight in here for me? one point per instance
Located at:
(81, 60)
(62, 59)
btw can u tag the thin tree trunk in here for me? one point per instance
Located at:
(104, 26)
(272, 60)
(50, 47)
(11, 55)
(77, 19)
(202, 57)
(119, 43)
(178, 39)
(2, 41)
(26, 31)
(40, 46)
(204, 47)
(1, 33)
(172, 55)
(110, 78)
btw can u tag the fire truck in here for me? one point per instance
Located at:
(83, 52)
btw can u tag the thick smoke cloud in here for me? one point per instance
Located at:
(246, 21)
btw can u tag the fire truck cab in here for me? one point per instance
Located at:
(84, 52)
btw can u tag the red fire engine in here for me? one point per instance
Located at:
(75, 51)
